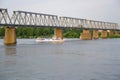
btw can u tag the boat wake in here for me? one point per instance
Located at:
(48, 40)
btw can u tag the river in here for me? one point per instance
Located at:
(72, 60)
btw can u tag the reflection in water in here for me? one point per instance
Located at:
(10, 50)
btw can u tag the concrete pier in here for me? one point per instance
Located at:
(95, 34)
(116, 33)
(111, 33)
(104, 34)
(10, 36)
(58, 33)
(85, 35)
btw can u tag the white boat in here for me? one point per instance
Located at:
(48, 40)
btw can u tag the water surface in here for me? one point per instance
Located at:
(72, 60)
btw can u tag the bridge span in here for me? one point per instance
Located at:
(32, 19)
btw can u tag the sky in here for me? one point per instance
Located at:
(100, 10)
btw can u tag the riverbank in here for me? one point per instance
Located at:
(115, 36)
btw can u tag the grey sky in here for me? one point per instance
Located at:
(101, 10)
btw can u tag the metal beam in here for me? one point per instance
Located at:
(26, 12)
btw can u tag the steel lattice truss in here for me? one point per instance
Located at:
(30, 19)
(34, 19)
(4, 17)
(86, 24)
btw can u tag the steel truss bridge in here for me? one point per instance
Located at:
(31, 19)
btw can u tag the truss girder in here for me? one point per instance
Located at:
(23, 18)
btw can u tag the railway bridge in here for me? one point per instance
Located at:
(32, 19)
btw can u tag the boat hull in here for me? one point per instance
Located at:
(49, 40)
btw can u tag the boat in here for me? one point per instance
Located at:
(49, 40)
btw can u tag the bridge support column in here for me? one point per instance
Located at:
(10, 36)
(58, 33)
(85, 35)
(104, 34)
(116, 33)
(95, 34)
(111, 33)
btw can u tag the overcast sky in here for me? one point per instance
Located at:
(101, 10)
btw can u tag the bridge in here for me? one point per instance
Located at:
(32, 19)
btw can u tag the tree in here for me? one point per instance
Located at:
(71, 33)
(2, 31)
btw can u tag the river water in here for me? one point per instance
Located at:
(72, 60)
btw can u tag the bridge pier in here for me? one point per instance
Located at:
(10, 36)
(58, 33)
(104, 34)
(111, 33)
(95, 34)
(85, 35)
(116, 33)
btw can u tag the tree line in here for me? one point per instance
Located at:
(30, 32)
